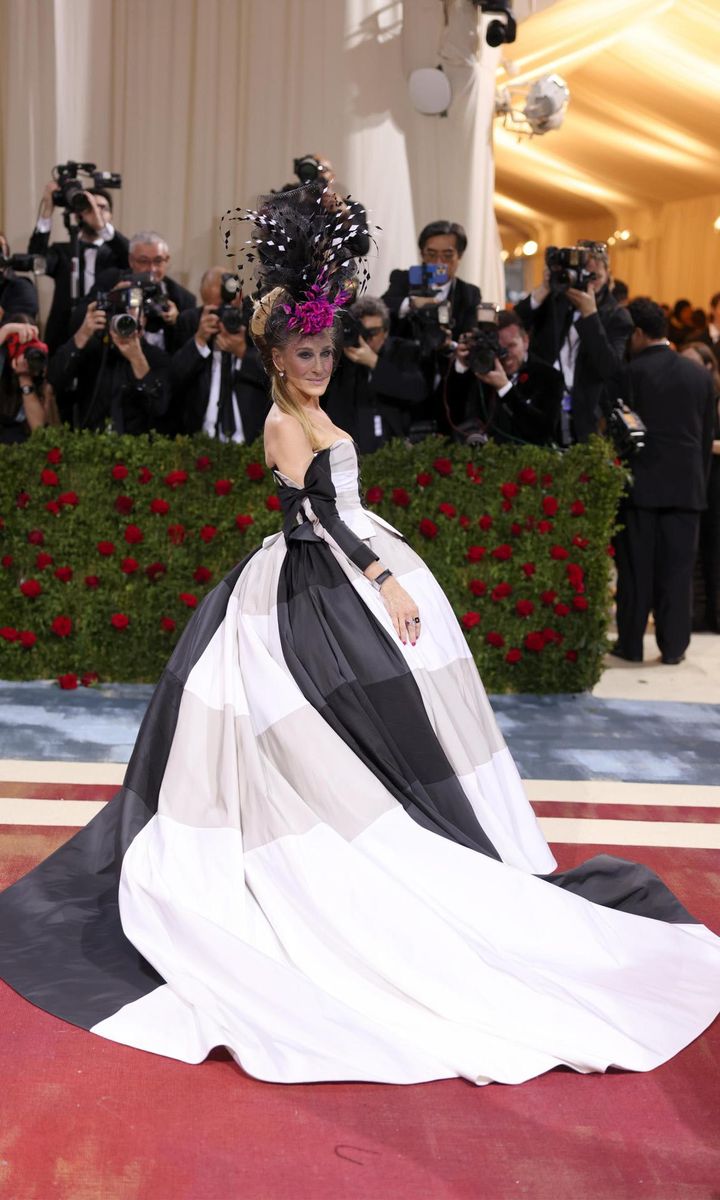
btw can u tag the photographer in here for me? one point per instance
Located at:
(577, 325)
(442, 245)
(108, 373)
(99, 246)
(518, 399)
(317, 168)
(26, 401)
(656, 546)
(17, 295)
(378, 381)
(217, 377)
(149, 258)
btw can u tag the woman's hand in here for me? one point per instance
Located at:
(402, 609)
(25, 333)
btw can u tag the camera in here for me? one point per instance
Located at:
(34, 263)
(308, 168)
(123, 306)
(35, 352)
(352, 329)
(568, 267)
(233, 319)
(484, 342)
(155, 303)
(626, 430)
(427, 279)
(70, 191)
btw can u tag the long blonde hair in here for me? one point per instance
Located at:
(284, 395)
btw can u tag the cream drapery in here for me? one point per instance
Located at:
(203, 104)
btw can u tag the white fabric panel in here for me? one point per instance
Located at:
(215, 679)
(497, 796)
(441, 641)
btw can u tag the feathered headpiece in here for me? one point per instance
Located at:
(307, 244)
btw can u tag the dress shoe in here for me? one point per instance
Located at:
(618, 652)
(672, 662)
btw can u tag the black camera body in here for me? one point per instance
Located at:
(568, 267)
(352, 329)
(308, 168)
(70, 191)
(232, 317)
(125, 306)
(626, 430)
(484, 342)
(28, 263)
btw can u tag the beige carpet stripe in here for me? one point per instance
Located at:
(608, 791)
(73, 813)
(36, 771)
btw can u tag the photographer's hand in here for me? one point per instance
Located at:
(25, 333)
(95, 319)
(46, 203)
(542, 291)
(209, 326)
(235, 343)
(92, 215)
(171, 313)
(585, 302)
(362, 354)
(131, 349)
(496, 378)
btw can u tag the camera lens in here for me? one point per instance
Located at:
(124, 325)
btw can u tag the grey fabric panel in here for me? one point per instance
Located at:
(627, 886)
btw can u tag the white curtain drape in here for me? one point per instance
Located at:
(203, 104)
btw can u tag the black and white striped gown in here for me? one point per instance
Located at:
(322, 856)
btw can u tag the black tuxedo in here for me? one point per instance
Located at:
(661, 517)
(464, 299)
(599, 367)
(191, 376)
(17, 295)
(180, 296)
(374, 406)
(58, 265)
(96, 384)
(528, 412)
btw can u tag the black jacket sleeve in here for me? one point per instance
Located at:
(398, 377)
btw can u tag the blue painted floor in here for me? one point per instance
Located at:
(551, 737)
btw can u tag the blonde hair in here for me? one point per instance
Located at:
(283, 394)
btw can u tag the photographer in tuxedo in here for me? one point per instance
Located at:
(218, 381)
(656, 548)
(583, 332)
(378, 381)
(100, 246)
(149, 258)
(441, 243)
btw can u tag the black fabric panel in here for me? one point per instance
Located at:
(319, 489)
(627, 886)
(62, 945)
(349, 669)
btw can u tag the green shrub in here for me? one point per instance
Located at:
(107, 544)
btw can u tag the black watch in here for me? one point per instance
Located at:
(27, 388)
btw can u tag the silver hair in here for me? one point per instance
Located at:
(371, 306)
(147, 237)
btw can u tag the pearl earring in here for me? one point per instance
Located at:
(281, 374)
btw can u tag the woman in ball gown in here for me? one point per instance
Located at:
(322, 856)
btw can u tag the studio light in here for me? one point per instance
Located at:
(543, 105)
(498, 32)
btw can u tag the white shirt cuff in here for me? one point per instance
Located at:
(43, 225)
(503, 391)
(203, 351)
(404, 308)
(108, 233)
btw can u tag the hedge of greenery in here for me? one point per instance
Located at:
(108, 543)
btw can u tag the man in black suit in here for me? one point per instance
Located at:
(378, 382)
(711, 335)
(149, 257)
(517, 401)
(218, 381)
(100, 246)
(441, 243)
(584, 334)
(655, 551)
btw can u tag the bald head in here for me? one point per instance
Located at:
(210, 285)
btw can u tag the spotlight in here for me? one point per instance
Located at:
(498, 31)
(530, 248)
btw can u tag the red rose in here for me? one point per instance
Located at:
(255, 471)
(581, 542)
(7, 560)
(464, 522)
(124, 505)
(552, 635)
(167, 623)
(159, 506)
(48, 477)
(188, 598)
(243, 521)
(424, 479)
(485, 522)
(610, 550)
(154, 570)
(62, 626)
(69, 499)
(535, 642)
(476, 553)
(506, 505)
(374, 495)
(443, 466)
(106, 549)
(208, 532)
(92, 581)
(562, 610)
(133, 534)
(202, 574)
(119, 471)
(470, 619)
(549, 506)
(528, 476)
(43, 560)
(177, 534)
(509, 490)
(548, 597)
(447, 510)
(68, 682)
(27, 638)
(571, 655)
(575, 574)
(223, 487)
(524, 608)
(202, 463)
(119, 620)
(53, 507)
(36, 537)
(528, 569)
(473, 473)
(501, 591)
(175, 479)
(428, 528)
(558, 552)
(544, 526)
(128, 566)
(577, 508)
(89, 678)
(513, 655)
(516, 529)
(8, 634)
(478, 587)
(54, 456)
(400, 497)
(503, 552)
(64, 574)
(584, 478)
(580, 603)
(273, 503)
(494, 639)
(546, 480)
(144, 475)
(30, 587)
(22, 500)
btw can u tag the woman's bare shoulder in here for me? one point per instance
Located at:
(284, 438)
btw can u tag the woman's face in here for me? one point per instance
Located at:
(307, 362)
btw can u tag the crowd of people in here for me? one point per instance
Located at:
(126, 347)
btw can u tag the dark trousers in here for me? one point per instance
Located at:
(655, 554)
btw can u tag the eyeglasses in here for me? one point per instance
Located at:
(371, 331)
(439, 255)
(152, 262)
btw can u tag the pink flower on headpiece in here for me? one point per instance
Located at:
(317, 312)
